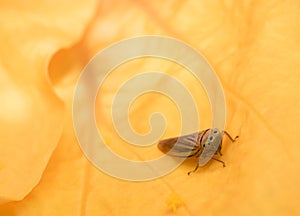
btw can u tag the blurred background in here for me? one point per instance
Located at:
(253, 47)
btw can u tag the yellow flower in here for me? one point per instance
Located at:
(253, 47)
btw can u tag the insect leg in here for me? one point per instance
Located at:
(227, 134)
(219, 161)
(219, 151)
(194, 169)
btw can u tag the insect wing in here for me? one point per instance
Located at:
(183, 146)
(212, 144)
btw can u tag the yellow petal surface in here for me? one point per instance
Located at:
(31, 114)
(253, 46)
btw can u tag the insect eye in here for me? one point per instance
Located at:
(210, 138)
(215, 131)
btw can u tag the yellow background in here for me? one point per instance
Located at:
(254, 47)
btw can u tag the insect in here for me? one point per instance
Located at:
(203, 145)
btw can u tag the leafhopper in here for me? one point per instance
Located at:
(203, 145)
